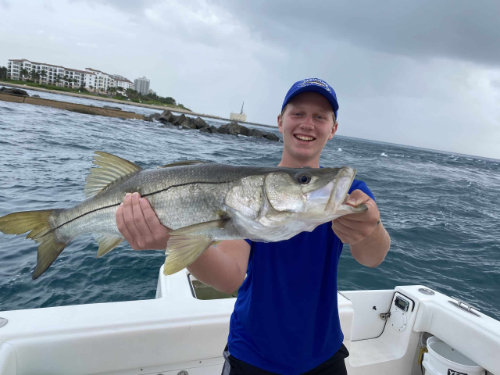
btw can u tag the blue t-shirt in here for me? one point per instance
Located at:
(286, 319)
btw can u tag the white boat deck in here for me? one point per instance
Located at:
(177, 332)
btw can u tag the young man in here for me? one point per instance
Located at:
(285, 320)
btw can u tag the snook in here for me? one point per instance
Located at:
(201, 202)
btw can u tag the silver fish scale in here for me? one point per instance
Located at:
(181, 196)
(186, 205)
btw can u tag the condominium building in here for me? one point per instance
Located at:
(102, 81)
(90, 79)
(122, 82)
(45, 73)
(141, 85)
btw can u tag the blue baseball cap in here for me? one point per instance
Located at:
(313, 85)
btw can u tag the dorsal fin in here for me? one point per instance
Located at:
(183, 163)
(107, 169)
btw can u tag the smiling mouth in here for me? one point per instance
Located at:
(305, 138)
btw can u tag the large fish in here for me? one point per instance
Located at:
(201, 202)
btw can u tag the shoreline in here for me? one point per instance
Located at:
(124, 102)
(74, 107)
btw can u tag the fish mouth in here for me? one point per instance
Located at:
(304, 137)
(322, 195)
(340, 188)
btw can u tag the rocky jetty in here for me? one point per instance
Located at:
(182, 121)
(233, 128)
(16, 95)
(13, 91)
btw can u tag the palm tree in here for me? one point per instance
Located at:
(24, 72)
(43, 74)
(3, 73)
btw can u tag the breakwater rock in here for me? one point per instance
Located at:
(21, 96)
(13, 91)
(233, 128)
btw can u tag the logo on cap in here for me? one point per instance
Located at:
(315, 81)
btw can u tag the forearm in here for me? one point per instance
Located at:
(371, 250)
(223, 266)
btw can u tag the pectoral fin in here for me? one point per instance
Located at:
(107, 243)
(185, 245)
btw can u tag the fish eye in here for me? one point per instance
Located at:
(304, 178)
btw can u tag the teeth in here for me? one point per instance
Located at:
(304, 138)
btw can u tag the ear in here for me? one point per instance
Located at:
(334, 129)
(280, 124)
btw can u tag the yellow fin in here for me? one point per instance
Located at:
(37, 223)
(186, 244)
(107, 243)
(48, 251)
(108, 169)
(184, 252)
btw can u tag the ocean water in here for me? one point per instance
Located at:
(442, 210)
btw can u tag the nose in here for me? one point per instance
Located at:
(308, 123)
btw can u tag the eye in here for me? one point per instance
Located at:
(304, 178)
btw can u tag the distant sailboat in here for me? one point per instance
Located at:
(238, 116)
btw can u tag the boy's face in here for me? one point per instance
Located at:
(307, 123)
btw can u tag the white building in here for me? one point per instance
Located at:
(103, 81)
(141, 85)
(122, 83)
(74, 78)
(91, 79)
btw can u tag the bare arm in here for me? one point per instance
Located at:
(364, 232)
(223, 266)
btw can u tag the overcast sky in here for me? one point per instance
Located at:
(424, 73)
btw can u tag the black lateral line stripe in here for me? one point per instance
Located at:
(145, 195)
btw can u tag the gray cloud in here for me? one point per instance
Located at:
(460, 29)
(420, 73)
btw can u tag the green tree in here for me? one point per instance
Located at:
(3, 73)
(43, 74)
(24, 73)
(133, 95)
(82, 88)
(34, 75)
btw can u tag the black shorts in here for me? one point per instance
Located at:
(335, 365)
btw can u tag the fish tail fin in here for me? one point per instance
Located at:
(38, 224)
